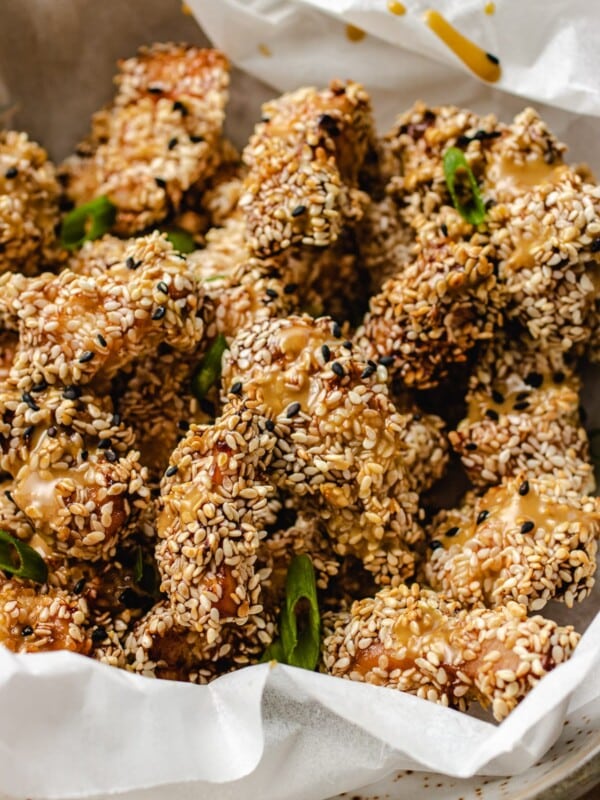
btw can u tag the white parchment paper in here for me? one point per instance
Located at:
(73, 728)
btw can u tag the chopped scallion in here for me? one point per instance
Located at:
(209, 371)
(89, 221)
(182, 241)
(21, 560)
(456, 169)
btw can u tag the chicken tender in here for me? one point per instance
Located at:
(529, 540)
(29, 206)
(304, 161)
(75, 327)
(160, 136)
(417, 641)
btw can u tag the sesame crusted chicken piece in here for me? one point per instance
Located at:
(523, 416)
(431, 315)
(158, 647)
(215, 506)
(386, 242)
(36, 619)
(340, 441)
(76, 475)
(29, 206)
(304, 161)
(528, 539)
(417, 641)
(99, 254)
(160, 136)
(73, 327)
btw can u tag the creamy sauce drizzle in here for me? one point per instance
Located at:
(472, 56)
(399, 9)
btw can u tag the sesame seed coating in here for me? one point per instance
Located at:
(417, 641)
(530, 548)
(307, 154)
(127, 155)
(29, 206)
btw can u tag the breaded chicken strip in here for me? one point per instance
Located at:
(160, 136)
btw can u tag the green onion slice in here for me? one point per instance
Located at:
(182, 241)
(300, 622)
(457, 169)
(209, 371)
(89, 221)
(21, 560)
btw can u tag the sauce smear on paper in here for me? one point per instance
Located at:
(484, 65)
(490, 8)
(354, 34)
(399, 9)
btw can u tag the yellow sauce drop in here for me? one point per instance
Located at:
(265, 50)
(354, 34)
(185, 9)
(472, 56)
(396, 8)
(490, 8)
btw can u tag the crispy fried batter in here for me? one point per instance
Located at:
(305, 159)
(160, 136)
(416, 641)
(529, 539)
(29, 206)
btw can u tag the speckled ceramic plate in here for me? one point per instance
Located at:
(569, 770)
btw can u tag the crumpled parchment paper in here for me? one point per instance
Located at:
(73, 728)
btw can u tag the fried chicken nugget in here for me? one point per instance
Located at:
(29, 206)
(304, 161)
(528, 539)
(75, 327)
(75, 473)
(34, 619)
(523, 416)
(340, 441)
(417, 641)
(215, 504)
(160, 136)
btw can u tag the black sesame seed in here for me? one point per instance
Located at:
(39, 387)
(131, 599)
(559, 377)
(99, 634)
(27, 398)
(386, 361)
(522, 396)
(172, 143)
(72, 392)
(444, 229)
(270, 425)
(52, 431)
(178, 106)
(196, 139)
(183, 425)
(521, 406)
(347, 344)
(435, 544)
(527, 527)
(524, 488)
(236, 388)
(492, 58)
(116, 420)
(290, 288)
(298, 211)
(482, 516)
(27, 630)
(367, 372)
(159, 313)
(371, 363)
(271, 293)
(8, 496)
(28, 431)
(155, 90)
(79, 586)
(162, 287)
(329, 125)
(452, 531)
(84, 455)
(161, 183)
(417, 417)
(292, 410)
(11, 172)
(326, 353)
(338, 369)
(463, 140)
(131, 263)
(481, 135)
(110, 456)
(171, 471)
(595, 245)
(470, 446)
(491, 414)
(497, 397)
(104, 444)
(86, 356)
(336, 330)
(534, 379)
(207, 407)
